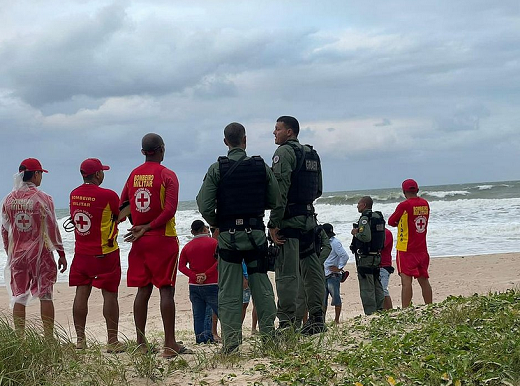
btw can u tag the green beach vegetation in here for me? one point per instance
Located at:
(460, 341)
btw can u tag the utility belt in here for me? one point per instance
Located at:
(261, 254)
(372, 260)
(293, 210)
(306, 240)
(363, 271)
(241, 224)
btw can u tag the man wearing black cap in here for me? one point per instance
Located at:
(198, 263)
(30, 234)
(334, 273)
(96, 263)
(411, 219)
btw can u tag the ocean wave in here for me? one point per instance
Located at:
(485, 187)
(444, 194)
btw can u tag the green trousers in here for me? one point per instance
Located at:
(291, 273)
(371, 291)
(230, 281)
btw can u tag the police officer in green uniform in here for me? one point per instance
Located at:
(367, 242)
(298, 171)
(235, 192)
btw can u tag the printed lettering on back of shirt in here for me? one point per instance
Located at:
(420, 210)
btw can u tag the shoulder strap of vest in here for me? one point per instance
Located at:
(299, 153)
(223, 160)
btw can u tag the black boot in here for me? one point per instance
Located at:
(314, 325)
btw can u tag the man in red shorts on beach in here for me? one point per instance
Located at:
(30, 234)
(152, 191)
(94, 212)
(411, 217)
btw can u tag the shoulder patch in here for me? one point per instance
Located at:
(276, 158)
(364, 222)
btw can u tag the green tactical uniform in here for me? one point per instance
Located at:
(290, 270)
(370, 288)
(230, 274)
(301, 304)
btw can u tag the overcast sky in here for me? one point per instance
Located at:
(384, 90)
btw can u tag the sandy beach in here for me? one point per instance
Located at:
(459, 275)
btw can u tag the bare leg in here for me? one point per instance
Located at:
(337, 309)
(19, 318)
(214, 331)
(244, 308)
(79, 313)
(387, 303)
(426, 288)
(141, 312)
(111, 314)
(47, 314)
(171, 348)
(254, 319)
(406, 290)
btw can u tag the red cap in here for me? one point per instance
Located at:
(410, 186)
(31, 165)
(92, 165)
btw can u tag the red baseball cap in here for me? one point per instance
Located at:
(31, 165)
(410, 185)
(92, 165)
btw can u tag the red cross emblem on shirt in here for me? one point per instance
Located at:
(142, 200)
(420, 224)
(23, 221)
(82, 222)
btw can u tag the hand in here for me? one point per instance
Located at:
(354, 231)
(245, 283)
(278, 240)
(334, 269)
(136, 232)
(62, 263)
(215, 233)
(201, 278)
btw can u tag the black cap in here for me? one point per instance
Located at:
(329, 229)
(197, 225)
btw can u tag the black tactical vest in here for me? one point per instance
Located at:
(241, 194)
(304, 187)
(377, 230)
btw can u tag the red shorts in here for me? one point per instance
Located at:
(99, 272)
(37, 274)
(153, 259)
(413, 263)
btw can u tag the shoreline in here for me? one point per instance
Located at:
(449, 276)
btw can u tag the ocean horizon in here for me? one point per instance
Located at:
(466, 219)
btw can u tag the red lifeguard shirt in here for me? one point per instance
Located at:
(386, 252)
(94, 211)
(199, 254)
(411, 218)
(153, 193)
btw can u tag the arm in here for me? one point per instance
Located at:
(326, 247)
(274, 200)
(171, 199)
(393, 220)
(207, 197)
(53, 232)
(183, 261)
(363, 234)
(214, 267)
(342, 255)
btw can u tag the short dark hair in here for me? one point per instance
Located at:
(27, 175)
(367, 200)
(89, 178)
(151, 142)
(197, 226)
(290, 123)
(234, 134)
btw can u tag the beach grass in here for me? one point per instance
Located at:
(460, 341)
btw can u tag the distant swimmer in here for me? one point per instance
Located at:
(411, 218)
(152, 193)
(30, 234)
(96, 262)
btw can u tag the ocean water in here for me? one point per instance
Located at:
(465, 219)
